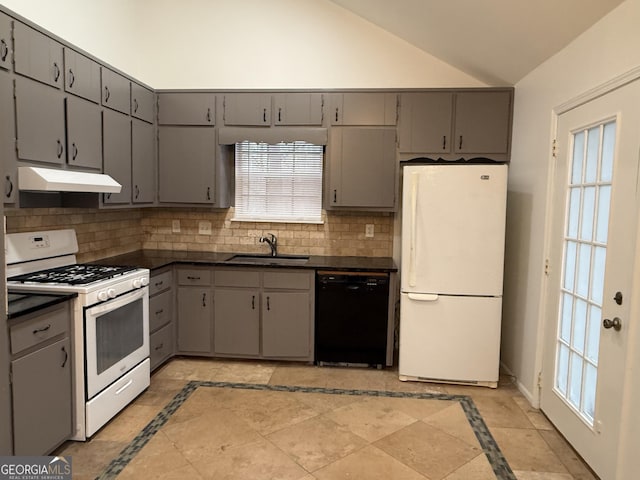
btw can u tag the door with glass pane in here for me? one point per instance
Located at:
(592, 250)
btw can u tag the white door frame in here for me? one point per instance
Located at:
(628, 459)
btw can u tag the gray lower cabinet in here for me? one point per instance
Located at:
(195, 311)
(5, 42)
(7, 140)
(40, 122)
(186, 108)
(143, 162)
(362, 168)
(41, 380)
(115, 91)
(116, 131)
(186, 162)
(264, 313)
(161, 324)
(84, 133)
(81, 76)
(37, 56)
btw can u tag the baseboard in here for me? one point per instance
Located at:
(535, 402)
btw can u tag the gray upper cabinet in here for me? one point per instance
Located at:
(84, 134)
(115, 91)
(143, 163)
(483, 122)
(362, 108)
(297, 108)
(5, 41)
(426, 122)
(142, 103)
(362, 168)
(250, 109)
(40, 122)
(186, 162)
(187, 108)
(456, 124)
(37, 56)
(116, 131)
(81, 76)
(7, 140)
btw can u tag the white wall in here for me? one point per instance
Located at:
(241, 44)
(605, 51)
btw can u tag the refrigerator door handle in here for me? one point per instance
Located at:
(415, 177)
(423, 297)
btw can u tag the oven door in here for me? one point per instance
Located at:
(116, 338)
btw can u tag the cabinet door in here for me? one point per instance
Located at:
(160, 345)
(194, 319)
(142, 103)
(188, 108)
(82, 76)
(425, 122)
(7, 140)
(40, 122)
(362, 108)
(115, 91)
(297, 109)
(37, 56)
(116, 131)
(483, 122)
(42, 399)
(252, 109)
(84, 134)
(286, 324)
(186, 162)
(143, 162)
(160, 310)
(5, 42)
(237, 321)
(363, 167)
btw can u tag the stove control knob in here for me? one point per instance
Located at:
(137, 283)
(112, 293)
(102, 296)
(144, 281)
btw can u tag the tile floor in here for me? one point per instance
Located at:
(230, 433)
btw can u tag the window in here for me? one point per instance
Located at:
(281, 182)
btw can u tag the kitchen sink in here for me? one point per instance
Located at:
(268, 259)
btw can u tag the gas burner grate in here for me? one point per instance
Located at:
(78, 274)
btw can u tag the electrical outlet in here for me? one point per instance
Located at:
(368, 230)
(175, 226)
(204, 228)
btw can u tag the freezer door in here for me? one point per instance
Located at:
(446, 338)
(453, 226)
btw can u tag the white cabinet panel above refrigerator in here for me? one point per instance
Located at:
(453, 227)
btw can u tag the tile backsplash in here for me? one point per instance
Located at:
(104, 233)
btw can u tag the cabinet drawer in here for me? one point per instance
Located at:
(194, 277)
(160, 345)
(160, 309)
(237, 278)
(41, 326)
(289, 280)
(160, 282)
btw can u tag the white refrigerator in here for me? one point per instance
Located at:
(453, 229)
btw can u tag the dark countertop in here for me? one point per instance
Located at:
(154, 259)
(22, 303)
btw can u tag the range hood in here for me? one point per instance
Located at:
(37, 179)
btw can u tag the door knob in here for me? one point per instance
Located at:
(616, 323)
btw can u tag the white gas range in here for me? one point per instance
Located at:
(110, 321)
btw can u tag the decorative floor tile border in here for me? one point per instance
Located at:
(489, 446)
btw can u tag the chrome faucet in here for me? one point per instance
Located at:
(273, 243)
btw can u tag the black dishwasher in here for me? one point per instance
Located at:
(351, 318)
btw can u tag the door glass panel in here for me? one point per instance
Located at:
(584, 256)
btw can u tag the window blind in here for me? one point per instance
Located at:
(280, 182)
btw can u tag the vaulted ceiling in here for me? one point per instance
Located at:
(496, 41)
